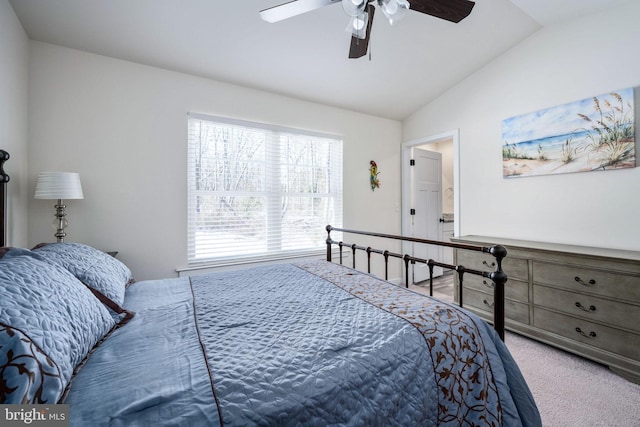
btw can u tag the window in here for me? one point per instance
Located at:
(259, 191)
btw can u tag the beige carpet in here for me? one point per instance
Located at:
(570, 391)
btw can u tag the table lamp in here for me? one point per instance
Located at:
(60, 186)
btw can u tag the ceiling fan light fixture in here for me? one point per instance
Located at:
(358, 25)
(354, 7)
(394, 10)
(361, 22)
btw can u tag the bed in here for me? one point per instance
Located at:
(310, 343)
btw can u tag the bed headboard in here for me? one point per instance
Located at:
(4, 178)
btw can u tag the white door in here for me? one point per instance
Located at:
(427, 202)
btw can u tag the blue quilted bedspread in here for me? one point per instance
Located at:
(311, 344)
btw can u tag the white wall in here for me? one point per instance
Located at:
(122, 126)
(559, 64)
(14, 60)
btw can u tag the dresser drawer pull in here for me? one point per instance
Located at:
(582, 307)
(487, 303)
(492, 265)
(582, 282)
(488, 284)
(591, 334)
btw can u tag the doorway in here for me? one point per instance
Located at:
(426, 196)
(449, 193)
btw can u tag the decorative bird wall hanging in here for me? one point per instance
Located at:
(373, 177)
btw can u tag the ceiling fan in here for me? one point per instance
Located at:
(361, 13)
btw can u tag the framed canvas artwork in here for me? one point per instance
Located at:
(593, 134)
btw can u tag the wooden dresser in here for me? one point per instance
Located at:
(580, 299)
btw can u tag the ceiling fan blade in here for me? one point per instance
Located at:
(293, 8)
(450, 10)
(359, 46)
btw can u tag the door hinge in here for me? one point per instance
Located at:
(412, 162)
(412, 212)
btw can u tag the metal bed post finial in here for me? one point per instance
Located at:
(4, 156)
(499, 278)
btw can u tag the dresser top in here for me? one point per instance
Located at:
(550, 247)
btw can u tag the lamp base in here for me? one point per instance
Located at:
(60, 221)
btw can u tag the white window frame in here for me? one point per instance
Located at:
(272, 181)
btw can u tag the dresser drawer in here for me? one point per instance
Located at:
(559, 276)
(614, 340)
(513, 289)
(513, 267)
(483, 301)
(588, 307)
(597, 282)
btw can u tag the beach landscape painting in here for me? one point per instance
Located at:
(593, 134)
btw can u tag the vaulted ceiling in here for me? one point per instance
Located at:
(305, 57)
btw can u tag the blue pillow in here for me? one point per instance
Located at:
(27, 374)
(49, 322)
(95, 268)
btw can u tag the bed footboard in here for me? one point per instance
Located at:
(498, 276)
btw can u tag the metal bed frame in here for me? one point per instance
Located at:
(4, 178)
(498, 276)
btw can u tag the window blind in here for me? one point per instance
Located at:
(259, 191)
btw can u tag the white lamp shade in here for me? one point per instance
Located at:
(59, 185)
